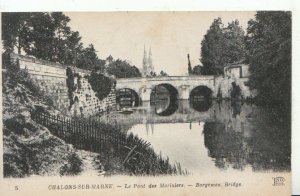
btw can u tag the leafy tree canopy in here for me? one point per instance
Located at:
(222, 45)
(122, 69)
(269, 55)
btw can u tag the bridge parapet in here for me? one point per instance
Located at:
(166, 79)
(183, 84)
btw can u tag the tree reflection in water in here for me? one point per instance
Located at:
(249, 136)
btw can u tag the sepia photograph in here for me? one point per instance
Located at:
(192, 100)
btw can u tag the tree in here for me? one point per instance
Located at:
(87, 58)
(162, 73)
(269, 55)
(53, 39)
(73, 48)
(197, 70)
(122, 69)
(221, 46)
(235, 49)
(42, 35)
(211, 48)
(189, 65)
(15, 31)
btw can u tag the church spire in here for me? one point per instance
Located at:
(151, 68)
(145, 63)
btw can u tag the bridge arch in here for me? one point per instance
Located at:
(129, 96)
(201, 92)
(201, 98)
(173, 91)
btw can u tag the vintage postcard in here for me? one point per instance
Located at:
(146, 103)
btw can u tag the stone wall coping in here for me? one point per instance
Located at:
(37, 61)
(231, 66)
(167, 78)
(47, 74)
(85, 71)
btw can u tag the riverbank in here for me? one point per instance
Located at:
(31, 148)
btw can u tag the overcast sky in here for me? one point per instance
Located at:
(171, 35)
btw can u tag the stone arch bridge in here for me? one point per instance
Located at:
(182, 84)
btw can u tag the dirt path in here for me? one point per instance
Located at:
(90, 164)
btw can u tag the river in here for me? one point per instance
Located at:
(211, 137)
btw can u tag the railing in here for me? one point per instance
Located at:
(135, 154)
(90, 135)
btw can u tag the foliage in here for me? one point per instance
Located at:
(162, 73)
(88, 58)
(122, 69)
(114, 147)
(100, 84)
(269, 56)
(189, 65)
(73, 167)
(15, 31)
(153, 74)
(70, 84)
(220, 46)
(197, 70)
(47, 36)
(22, 76)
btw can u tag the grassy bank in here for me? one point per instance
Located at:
(30, 148)
(119, 152)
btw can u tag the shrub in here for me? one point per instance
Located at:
(73, 167)
(100, 84)
(22, 76)
(71, 85)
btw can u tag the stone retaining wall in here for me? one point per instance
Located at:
(51, 77)
(86, 102)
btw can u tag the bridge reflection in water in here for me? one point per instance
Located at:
(212, 137)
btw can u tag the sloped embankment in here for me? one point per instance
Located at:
(29, 148)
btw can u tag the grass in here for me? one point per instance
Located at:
(72, 167)
(122, 152)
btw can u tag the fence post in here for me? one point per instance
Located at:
(59, 126)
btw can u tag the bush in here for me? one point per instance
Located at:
(71, 85)
(100, 84)
(22, 76)
(73, 167)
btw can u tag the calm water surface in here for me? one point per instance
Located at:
(206, 137)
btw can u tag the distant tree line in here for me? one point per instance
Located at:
(266, 47)
(47, 36)
(119, 68)
(154, 74)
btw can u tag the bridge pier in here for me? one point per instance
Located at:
(145, 94)
(184, 92)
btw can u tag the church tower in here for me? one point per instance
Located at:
(150, 68)
(145, 64)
